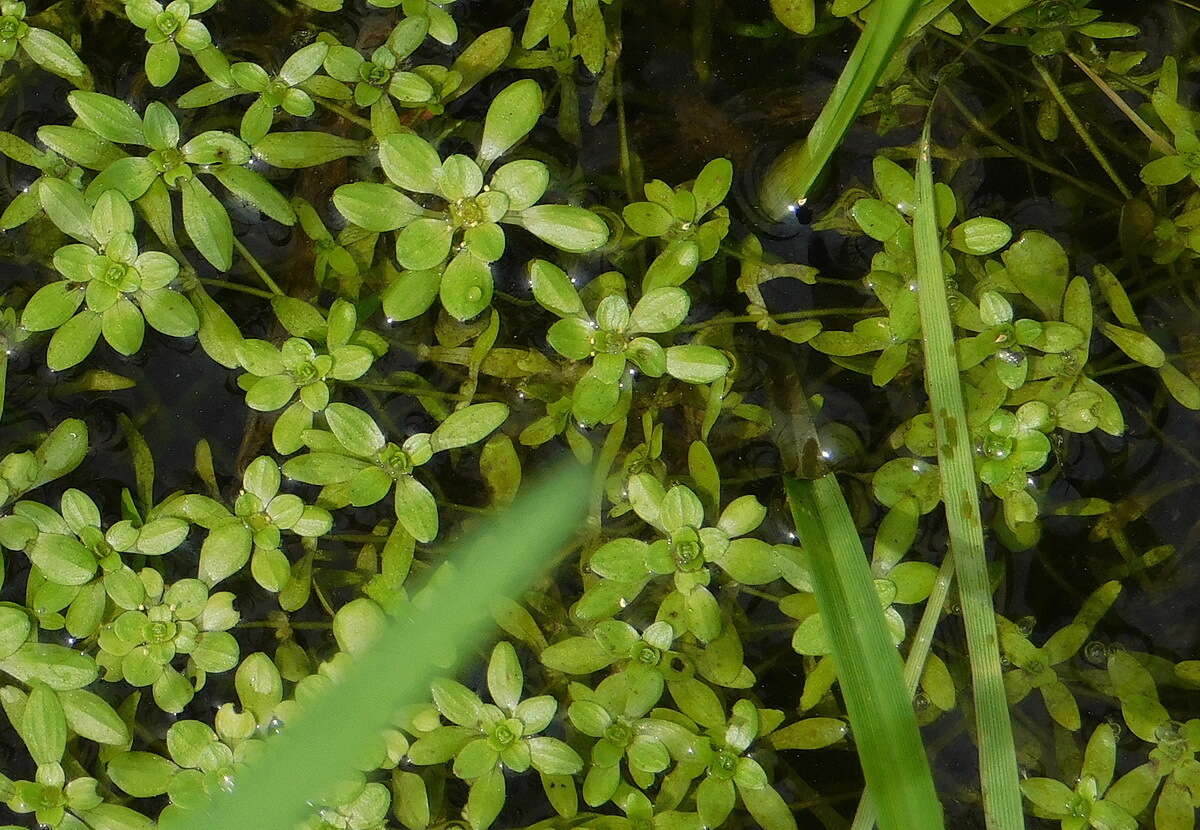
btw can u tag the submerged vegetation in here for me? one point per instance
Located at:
(861, 414)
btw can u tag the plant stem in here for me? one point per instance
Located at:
(233, 286)
(344, 113)
(415, 391)
(787, 315)
(960, 493)
(1080, 129)
(1157, 141)
(625, 158)
(256, 266)
(1018, 153)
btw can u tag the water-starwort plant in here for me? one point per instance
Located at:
(275, 562)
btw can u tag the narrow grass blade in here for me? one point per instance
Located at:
(960, 493)
(310, 753)
(791, 177)
(885, 727)
(914, 665)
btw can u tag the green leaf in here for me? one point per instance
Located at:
(524, 181)
(169, 312)
(980, 236)
(410, 162)
(543, 15)
(123, 326)
(467, 286)
(485, 799)
(66, 208)
(207, 224)
(648, 218)
(416, 509)
(567, 228)
(576, 655)
(659, 311)
(355, 429)
(797, 15)
(553, 290)
(43, 725)
(674, 266)
(336, 739)
(162, 62)
(505, 680)
(995, 11)
(1037, 265)
(410, 294)
(878, 219)
(53, 54)
(960, 490)
(696, 364)
(424, 244)
(295, 150)
(510, 117)
(161, 536)
(810, 733)
(1135, 344)
(225, 551)
(14, 629)
(357, 625)
(793, 176)
(51, 306)
(468, 426)
(73, 341)
(254, 188)
(375, 207)
(89, 716)
(141, 774)
(107, 117)
(481, 58)
(58, 667)
(551, 756)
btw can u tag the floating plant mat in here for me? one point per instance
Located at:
(588, 413)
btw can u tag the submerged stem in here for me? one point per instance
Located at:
(256, 266)
(1157, 141)
(1017, 152)
(1080, 129)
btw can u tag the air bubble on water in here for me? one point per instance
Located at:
(622, 602)
(474, 294)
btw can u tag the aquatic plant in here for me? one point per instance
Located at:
(548, 478)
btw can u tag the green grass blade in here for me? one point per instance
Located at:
(791, 177)
(885, 726)
(914, 665)
(325, 741)
(960, 492)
